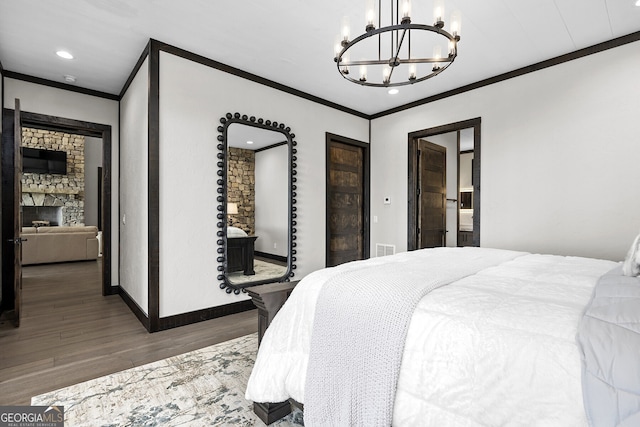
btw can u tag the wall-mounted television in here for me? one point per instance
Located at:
(38, 160)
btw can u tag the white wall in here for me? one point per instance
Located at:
(559, 157)
(190, 109)
(134, 198)
(272, 200)
(92, 161)
(51, 101)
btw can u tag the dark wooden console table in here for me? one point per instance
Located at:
(240, 254)
(269, 299)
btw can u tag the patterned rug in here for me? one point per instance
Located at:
(263, 269)
(201, 388)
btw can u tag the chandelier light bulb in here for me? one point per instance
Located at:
(456, 24)
(363, 73)
(345, 69)
(337, 47)
(438, 13)
(371, 15)
(386, 74)
(452, 48)
(406, 11)
(412, 72)
(345, 30)
(437, 54)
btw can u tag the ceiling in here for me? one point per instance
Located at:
(291, 41)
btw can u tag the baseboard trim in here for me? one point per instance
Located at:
(143, 318)
(205, 314)
(184, 319)
(271, 256)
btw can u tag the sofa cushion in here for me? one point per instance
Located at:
(75, 229)
(59, 244)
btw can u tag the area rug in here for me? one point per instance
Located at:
(201, 388)
(264, 270)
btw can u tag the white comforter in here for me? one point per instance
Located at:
(495, 348)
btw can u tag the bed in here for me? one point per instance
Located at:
(240, 251)
(491, 341)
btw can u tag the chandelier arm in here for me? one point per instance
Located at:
(401, 61)
(395, 57)
(396, 27)
(403, 83)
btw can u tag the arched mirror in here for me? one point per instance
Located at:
(256, 202)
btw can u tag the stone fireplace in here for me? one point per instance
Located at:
(58, 199)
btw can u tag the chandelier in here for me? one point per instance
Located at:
(402, 52)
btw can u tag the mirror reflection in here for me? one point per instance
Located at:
(257, 205)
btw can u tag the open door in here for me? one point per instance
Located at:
(17, 217)
(432, 194)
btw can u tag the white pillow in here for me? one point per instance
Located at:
(631, 264)
(235, 232)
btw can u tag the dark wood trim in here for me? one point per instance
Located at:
(59, 85)
(366, 193)
(153, 285)
(412, 197)
(255, 78)
(99, 180)
(136, 68)
(134, 307)
(457, 230)
(1, 177)
(79, 127)
(412, 162)
(204, 314)
(271, 256)
(475, 176)
(8, 247)
(61, 124)
(278, 144)
(600, 47)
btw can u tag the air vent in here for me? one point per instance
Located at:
(383, 250)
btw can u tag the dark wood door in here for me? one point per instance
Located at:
(347, 212)
(17, 214)
(432, 194)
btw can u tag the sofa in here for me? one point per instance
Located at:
(59, 244)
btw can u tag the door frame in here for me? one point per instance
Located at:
(412, 211)
(366, 205)
(96, 130)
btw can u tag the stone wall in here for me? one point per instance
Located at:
(241, 189)
(65, 191)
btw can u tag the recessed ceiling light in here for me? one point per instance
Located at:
(64, 54)
(70, 79)
(249, 142)
(638, 3)
(393, 91)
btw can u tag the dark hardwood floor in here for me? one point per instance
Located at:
(70, 333)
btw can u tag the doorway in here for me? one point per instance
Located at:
(432, 194)
(451, 216)
(87, 129)
(347, 216)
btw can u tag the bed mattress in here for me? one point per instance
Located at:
(494, 348)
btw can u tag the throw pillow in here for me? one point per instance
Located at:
(631, 264)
